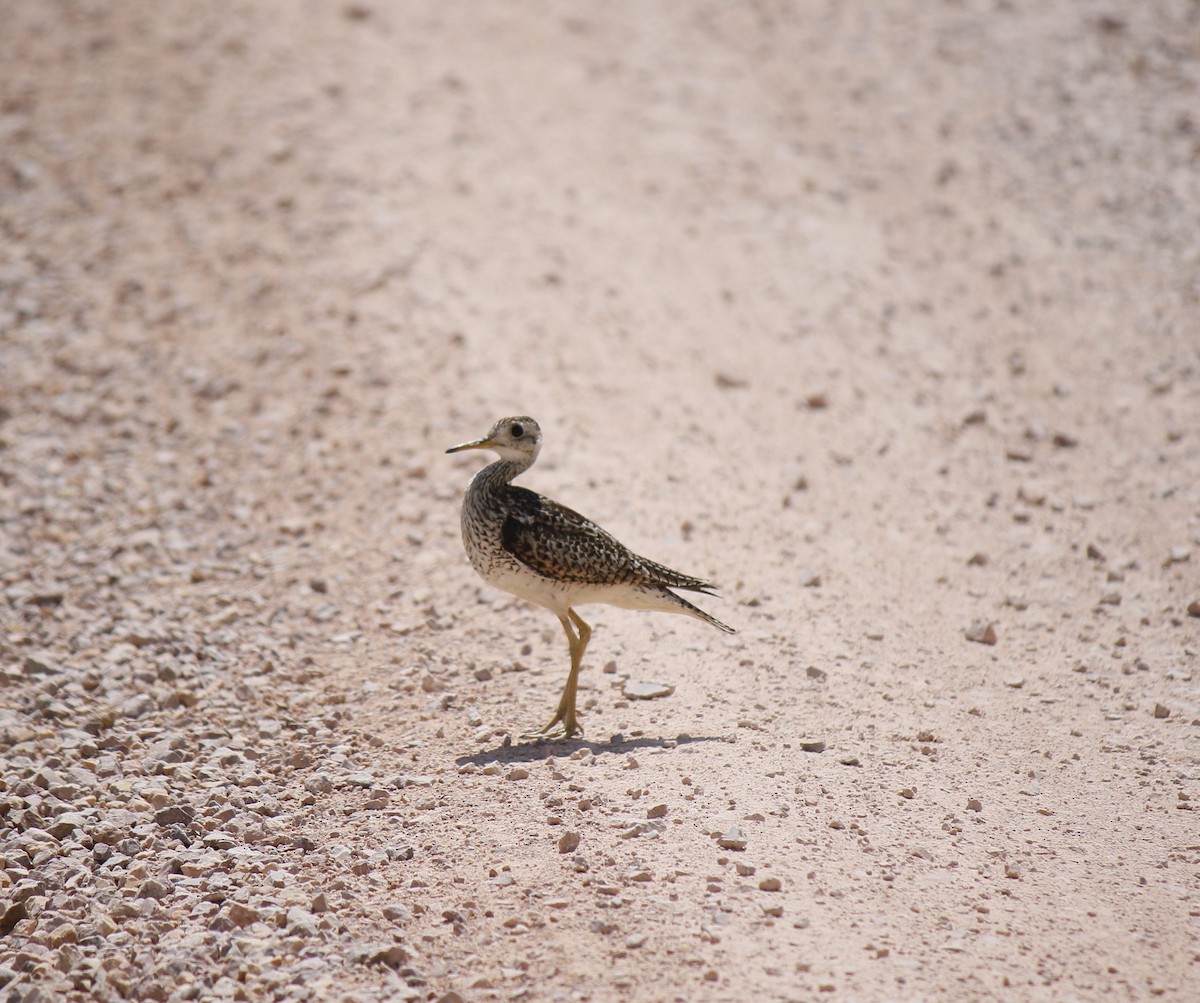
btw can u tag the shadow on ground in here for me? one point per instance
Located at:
(532, 752)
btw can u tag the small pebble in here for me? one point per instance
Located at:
(732, 839)
(64, 933)
(396, 912)
(173, 815)
(646, 690)
(300, 922)
(153, 888)
(243, 915)
(568, 842)
(1161, 711)
(770, 885)
(982, 632)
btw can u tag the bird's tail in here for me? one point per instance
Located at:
(696, 611)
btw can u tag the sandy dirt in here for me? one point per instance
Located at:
(884, 316)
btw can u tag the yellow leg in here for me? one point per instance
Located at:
(566, 706)
(565, 723)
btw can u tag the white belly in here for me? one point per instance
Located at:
(561, 596)
(532, 588)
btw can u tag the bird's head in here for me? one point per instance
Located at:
(517, 438)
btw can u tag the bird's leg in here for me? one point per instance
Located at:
(565, 724)
(566, 706)
(585, 632)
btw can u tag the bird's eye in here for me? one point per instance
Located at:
(517, 431)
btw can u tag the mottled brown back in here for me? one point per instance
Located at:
(559, 543)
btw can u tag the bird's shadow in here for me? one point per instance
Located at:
(532, 751)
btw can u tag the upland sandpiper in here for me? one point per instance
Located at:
(547, 554)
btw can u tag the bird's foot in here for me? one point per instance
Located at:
(560, 729)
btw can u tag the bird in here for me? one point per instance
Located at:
(551, 556)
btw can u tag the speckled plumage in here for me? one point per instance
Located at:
(549, 554)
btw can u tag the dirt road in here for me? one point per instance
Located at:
(885, 317)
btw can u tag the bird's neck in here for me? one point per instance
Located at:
(497, 475)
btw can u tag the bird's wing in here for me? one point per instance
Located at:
(559, 543)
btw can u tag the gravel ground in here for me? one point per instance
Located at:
(887, 319)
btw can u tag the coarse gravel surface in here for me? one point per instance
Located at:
(885, 317)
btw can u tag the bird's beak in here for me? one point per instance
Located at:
(484, 443)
